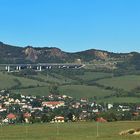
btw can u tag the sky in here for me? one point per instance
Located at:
(72, 25)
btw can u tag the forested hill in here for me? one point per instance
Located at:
(29, 54)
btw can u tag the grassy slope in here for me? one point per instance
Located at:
(94, 75)
(77, 91)
(56, 78)
(128, 82)
(80, 91)
(33, 91)
(8, 81)
(121, 100)
(68, 131)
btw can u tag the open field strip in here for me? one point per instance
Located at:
(68, 131)
(9, 81)
(79, 91)
(127, 82)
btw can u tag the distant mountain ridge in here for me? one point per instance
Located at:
(29, 54)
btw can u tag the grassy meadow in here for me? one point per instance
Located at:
(68, 131)
(79, 91)
(8, 81)
(75, 85)
(127, 82)
(94, 75)
(33, 91)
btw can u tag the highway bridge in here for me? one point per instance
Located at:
(40, 66)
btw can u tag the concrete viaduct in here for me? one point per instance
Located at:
(40, 66)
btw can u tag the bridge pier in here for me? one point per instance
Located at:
(39, 68)
(18, 68)
(7, 68)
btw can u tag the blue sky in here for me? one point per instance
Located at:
(72, 25)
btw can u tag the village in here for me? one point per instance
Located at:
(18, 108)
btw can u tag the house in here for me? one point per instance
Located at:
(11, 118)
(27, 117)
(101, 120)
(53, 104)
(5, 121)
(83, 116)
(17, 101)
(138, 108)
(11, 100)
(76, 105)
(95, 110)
(59, 119)
(6, 103)
(83, 100)
(135, 113)
(94, 104)
(3, 109)
(22, 96)
(37, 108)
(123, 108)
(26, 106)
(109, 106)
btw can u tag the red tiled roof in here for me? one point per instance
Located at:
(101, 120)
(59, 118)
(11, 116)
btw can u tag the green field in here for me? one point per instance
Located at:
(121, 100)
(72, 86)
(128, 82)
(79, 91)
(54, 78)
(8, 81)
(33, 91)
(68, 131)
(94, 75)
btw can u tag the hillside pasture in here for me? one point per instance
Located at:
(93, 75)
(81, 91)
(128, 82)
(33, 91)
(120, 100)
(8, 81)
(53, 78)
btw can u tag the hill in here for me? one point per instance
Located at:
(106, 77)
(29, 54)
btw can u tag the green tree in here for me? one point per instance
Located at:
(54, 89)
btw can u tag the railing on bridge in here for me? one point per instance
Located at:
(40, 67)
